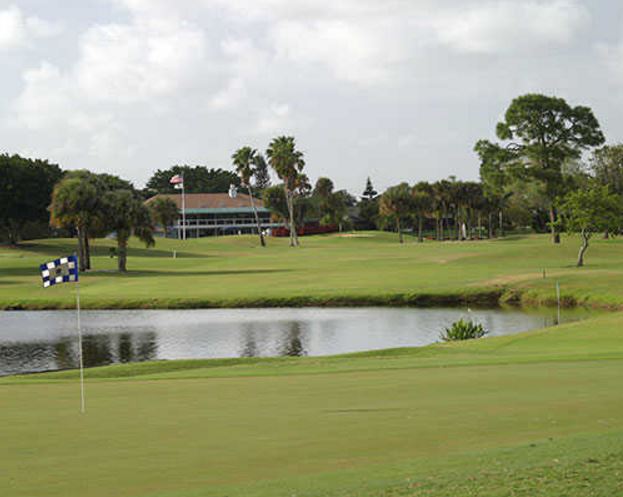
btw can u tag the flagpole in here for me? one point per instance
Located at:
(82, 403)
(183, 211)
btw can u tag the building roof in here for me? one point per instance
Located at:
(212, 202)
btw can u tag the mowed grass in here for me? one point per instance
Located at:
(538, 414)
(362, 268)
(535, 414)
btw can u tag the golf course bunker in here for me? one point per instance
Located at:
(33, 341)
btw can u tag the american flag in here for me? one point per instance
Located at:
(177, 181)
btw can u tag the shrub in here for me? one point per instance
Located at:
(463, 330)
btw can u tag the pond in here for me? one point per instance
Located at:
(33, 341)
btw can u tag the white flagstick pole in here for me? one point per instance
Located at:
(183, 211)
(82, 406)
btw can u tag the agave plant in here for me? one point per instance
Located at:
(463, 329)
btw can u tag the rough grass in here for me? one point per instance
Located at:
(325, 270)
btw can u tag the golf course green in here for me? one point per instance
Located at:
(534, 414)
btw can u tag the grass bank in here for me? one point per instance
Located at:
(361, 269)
(534, 414)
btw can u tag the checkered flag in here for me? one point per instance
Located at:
(63, 270)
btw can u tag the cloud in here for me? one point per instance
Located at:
(138, 61)
(44, 99)
(276, 120)
(510, 25)
(17, 30)
(353, 52)
(611, 55)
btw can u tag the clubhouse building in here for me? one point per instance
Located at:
(215, 214)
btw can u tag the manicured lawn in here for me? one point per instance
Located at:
(366, 268)
(540, 413)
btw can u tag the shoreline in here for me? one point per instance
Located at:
(499, 297)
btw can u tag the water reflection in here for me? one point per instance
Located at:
(98, 350)
(46, 340)
(292, 344)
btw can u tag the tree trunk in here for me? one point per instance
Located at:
(420, 223)
(87, 251)
(257, 217)
(479, 226)
(501, 223)
(400, 237)
(490, 226)
(81, 259)
(552, 220)
(583, 248)
(290, 202)
(122, 252)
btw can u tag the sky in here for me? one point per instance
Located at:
(398, 90)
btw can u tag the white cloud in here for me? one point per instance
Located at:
(275, 120)
(229, 96)
(611, 55)
(510, 25)
(50, 103)
(139, 61)
(354, 52)
(44, 99)
(17, 29)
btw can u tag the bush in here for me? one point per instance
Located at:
(463, 330)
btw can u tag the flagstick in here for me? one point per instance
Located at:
(82, 406)
(183, 211)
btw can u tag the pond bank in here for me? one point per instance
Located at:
(497, 297)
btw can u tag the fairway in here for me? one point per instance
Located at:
(534, 414)
(353, 269)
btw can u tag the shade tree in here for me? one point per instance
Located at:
(127, 216)
(396, 206)
(164, 212)
(589, 211)
(544, 133)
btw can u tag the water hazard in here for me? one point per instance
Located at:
(47, 340)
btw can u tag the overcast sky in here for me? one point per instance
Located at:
(393, 89)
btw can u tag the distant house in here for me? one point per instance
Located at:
(215, 214)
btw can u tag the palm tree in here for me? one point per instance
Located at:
(288, 163)
(260, 173)
(127, 215)
(396, 206)
(442, 199)
(422, 205)
(244, 158)
(164, 212)
(76, 202)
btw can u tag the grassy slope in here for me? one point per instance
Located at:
(234, 271)
(538, 412)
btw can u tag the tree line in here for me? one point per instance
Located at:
(549, 170)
